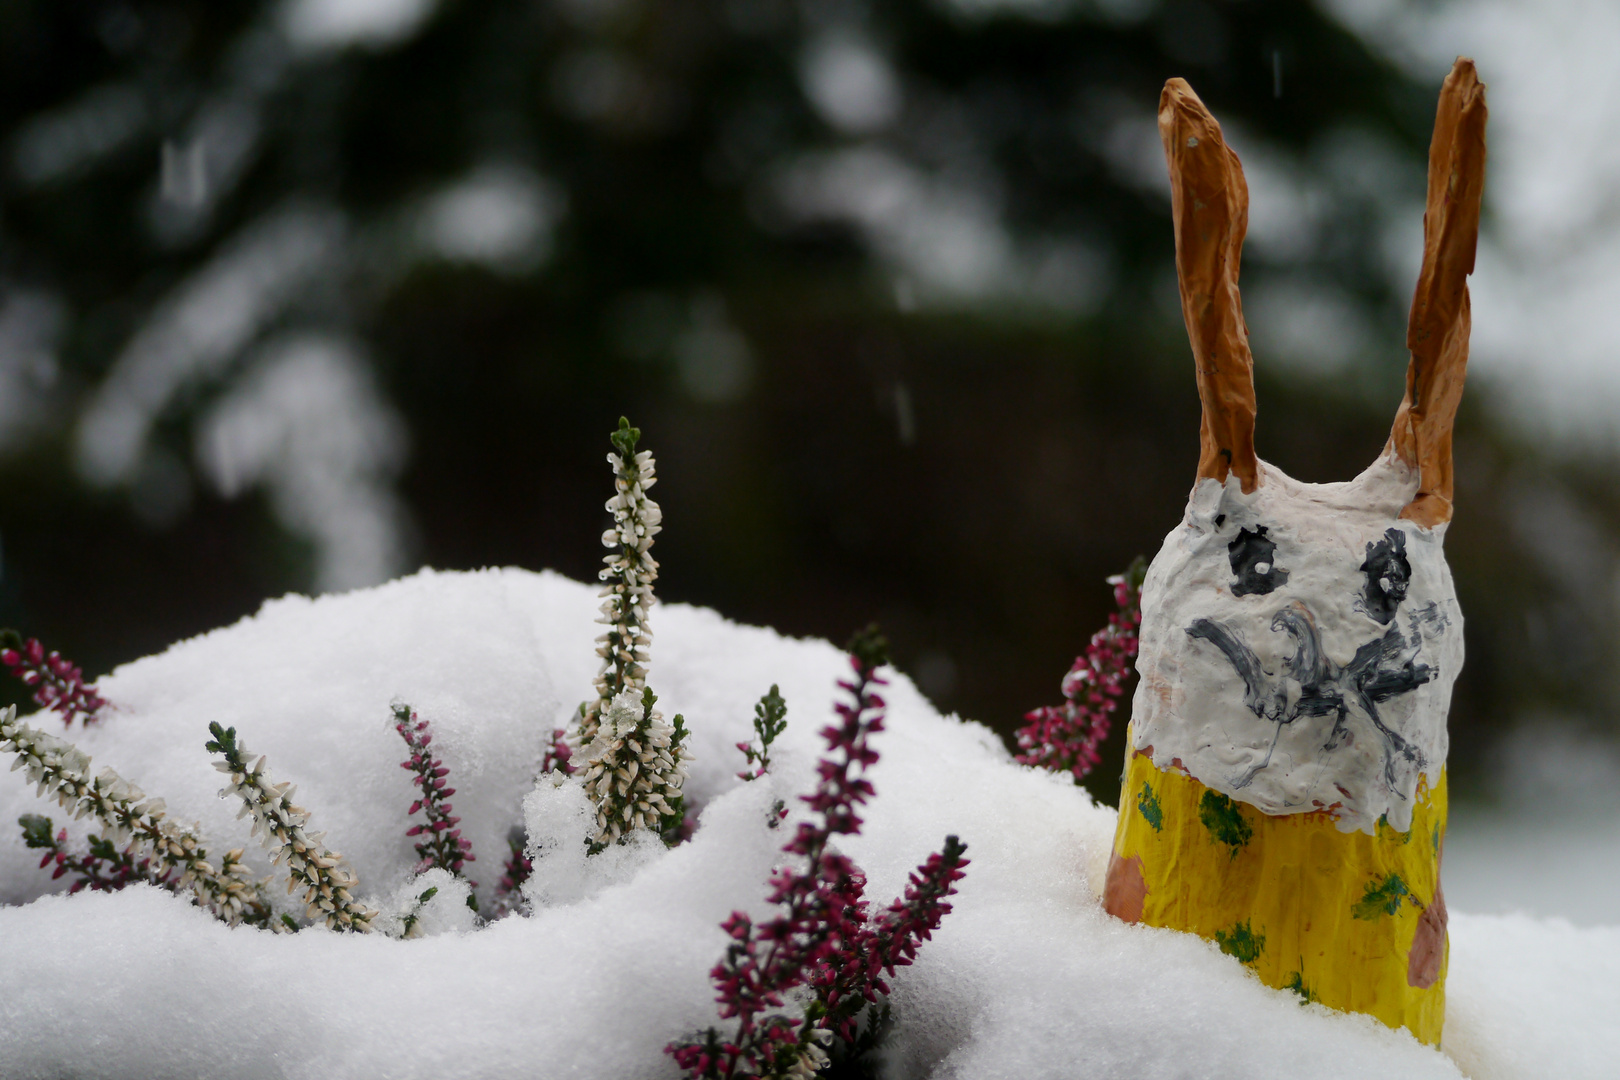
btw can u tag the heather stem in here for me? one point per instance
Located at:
(627, 580)
(104, 868)
(442, 844)
(822, 939)
(327, 884)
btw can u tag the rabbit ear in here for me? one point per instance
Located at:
(1210, 205)
(1437, 333)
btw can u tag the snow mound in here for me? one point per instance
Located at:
(1027, 978)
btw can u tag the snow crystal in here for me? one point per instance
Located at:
(560, 820)
(1026, 978)
(445, 912)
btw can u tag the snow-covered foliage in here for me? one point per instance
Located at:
(634, 767)
(60, 770)
(1027, 978)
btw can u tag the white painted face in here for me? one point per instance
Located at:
(1299, 645)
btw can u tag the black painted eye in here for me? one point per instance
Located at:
(1254, 561)
(1388, 575)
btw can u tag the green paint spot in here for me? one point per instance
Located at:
(1435, 837)
(1384, 826)
(1224, 820)
(1382, 898)
(1242, 943)
(1148, 804)
(1296, 983)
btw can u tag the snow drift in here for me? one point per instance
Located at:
(1027, 978)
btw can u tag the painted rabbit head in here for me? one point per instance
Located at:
(1299, 641)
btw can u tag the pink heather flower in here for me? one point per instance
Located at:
(104, 868)
(509, 891)
(557, 755)
(443, 846)
(58, 683)
(823, 938)
(1065, 738)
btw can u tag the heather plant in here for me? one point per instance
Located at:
(627, 580)
(509, 890)
(327, 885)
(634, 769)
(128, 818)
(57, 682)
(770, 720)
(634, 763)
(799, 987)
(1065, 738)
(441, 844)
(800, 981)
(104, 868)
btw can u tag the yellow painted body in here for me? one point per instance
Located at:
(1335, 917)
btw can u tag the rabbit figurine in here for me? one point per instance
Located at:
(1285, 785)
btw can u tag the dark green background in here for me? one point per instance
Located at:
(1048, 448)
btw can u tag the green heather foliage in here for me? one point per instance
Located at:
(770, 720)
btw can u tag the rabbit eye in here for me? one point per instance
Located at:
(1254, 560)
(1388, 573)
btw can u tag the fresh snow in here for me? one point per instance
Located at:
(1026, 978)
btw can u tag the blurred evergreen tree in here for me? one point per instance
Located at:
(887, 284)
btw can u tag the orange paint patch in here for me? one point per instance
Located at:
(1428, 953)
(1125, 891)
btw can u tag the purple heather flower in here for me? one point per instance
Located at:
(58, 684)
(823, 939)
(1065, 738)
(444, 846)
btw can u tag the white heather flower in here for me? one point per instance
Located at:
(279, 825)
(633, 771)
(62, 768)
(634, 764)
(627, 579)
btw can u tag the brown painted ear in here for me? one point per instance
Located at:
(1437, 333)
(1210, 204)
